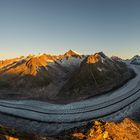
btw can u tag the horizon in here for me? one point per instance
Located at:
(53, 27)
(37, 54)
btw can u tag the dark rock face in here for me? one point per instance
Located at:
(116, 58)
(2, 137)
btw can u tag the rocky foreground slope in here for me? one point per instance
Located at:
(50, 77)
(97, 130)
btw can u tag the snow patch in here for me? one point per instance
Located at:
(99, 69)
(70, 61)
(102, 60)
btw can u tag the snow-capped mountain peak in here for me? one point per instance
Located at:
(71, 53)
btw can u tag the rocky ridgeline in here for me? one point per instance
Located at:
(62, 78)
(98, 130)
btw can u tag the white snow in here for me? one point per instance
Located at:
(46, 68)
(70, 61)
(76, 52)
(100, 69)
(102, 59)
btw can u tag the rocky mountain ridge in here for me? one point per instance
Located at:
(97, 130)
(52, 77)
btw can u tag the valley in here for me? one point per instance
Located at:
(47, 117)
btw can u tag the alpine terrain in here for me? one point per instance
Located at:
(61, 78)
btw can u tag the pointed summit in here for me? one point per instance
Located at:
(71, 53)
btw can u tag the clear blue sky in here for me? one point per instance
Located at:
(55, 26)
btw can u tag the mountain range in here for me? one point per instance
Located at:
(61, 78)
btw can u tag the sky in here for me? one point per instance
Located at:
(55, 26)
